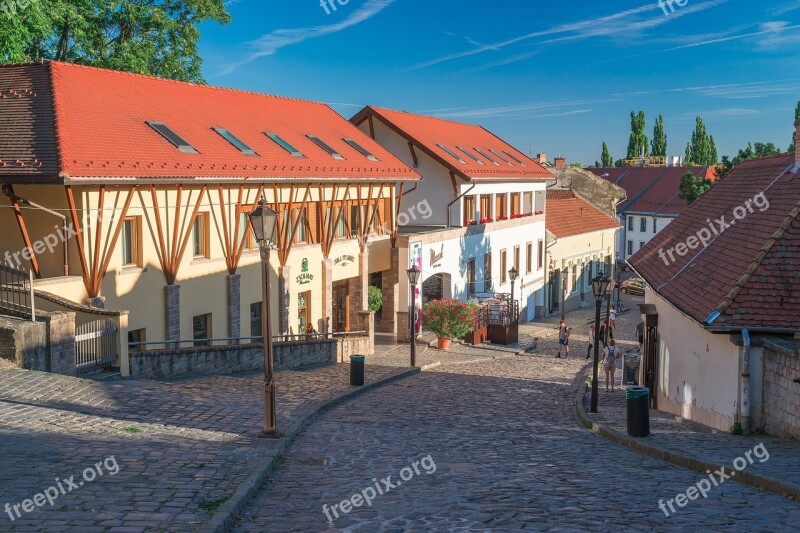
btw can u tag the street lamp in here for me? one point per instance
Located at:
(263, 221)
(413, 278)
(513, 275)
(599, 288)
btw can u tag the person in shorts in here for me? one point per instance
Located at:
(564, 333)
(610, 355)
(592, 340)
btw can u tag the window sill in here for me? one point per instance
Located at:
(127, 270)
(204, 260)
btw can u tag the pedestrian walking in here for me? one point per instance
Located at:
(564, 334)
(640, 335)
(610, 363)
(612, 321)
(592, 340)
(602, 335)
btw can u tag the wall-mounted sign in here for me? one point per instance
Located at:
(344, 260)
(436, 258)
(304, 277)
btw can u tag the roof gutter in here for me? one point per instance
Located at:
(168, 180)
(459, 197)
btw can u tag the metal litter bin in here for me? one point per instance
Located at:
(357, 370)
(638, 404)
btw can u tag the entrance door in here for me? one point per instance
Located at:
(341, 307)
(470, 278)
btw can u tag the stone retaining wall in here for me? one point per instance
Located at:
(781, 392)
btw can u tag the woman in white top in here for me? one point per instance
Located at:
(610, 355)
(612, 319)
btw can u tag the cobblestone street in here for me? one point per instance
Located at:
(508, 454)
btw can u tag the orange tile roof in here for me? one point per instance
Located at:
(567, 215)
(100, 130)
(428, 133)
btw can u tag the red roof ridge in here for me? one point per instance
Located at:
(61, 64)
(57, 121)
(431, 117)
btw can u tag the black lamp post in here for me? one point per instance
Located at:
(513, 275)
(263, 221)
(413, 278)
(599, 288)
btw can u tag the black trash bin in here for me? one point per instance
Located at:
(357, 370)
(638, 403)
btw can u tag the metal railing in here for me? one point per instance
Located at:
(16, 292)
(232, 341)
(96, 345)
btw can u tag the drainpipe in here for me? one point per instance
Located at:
(63, 218)
(744, 384)
(459, 197)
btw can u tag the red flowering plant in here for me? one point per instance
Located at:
(502, 217)
(486, 220)
(449, 318)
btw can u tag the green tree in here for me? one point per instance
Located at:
(794, 133)
(659, 143)
(155, 37)
(752, 151)
(638, 144)
(374, 299)
(701, 149)
(692, 187)
(605, 158)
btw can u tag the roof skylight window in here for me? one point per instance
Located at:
(231, 138)
(501, 157)
(469, 154)
(174, 139)
(484, 154)
(363, 151)
(452, 153)
(509, 154)
(319, 142)
(283, 144)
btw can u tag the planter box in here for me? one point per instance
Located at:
(477, 336)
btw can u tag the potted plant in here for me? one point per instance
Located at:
(449, 319)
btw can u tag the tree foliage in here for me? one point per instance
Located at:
(701, 150)
(752, 151)
(374, 299)
(659, 143)
(794, 133)
(155, 37)
(605, 158)
(638, 144)
(692, 187)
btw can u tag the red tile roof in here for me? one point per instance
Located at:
(428, 133)
(84, 122)
(652, 190)
(749, 272)
(567, 215)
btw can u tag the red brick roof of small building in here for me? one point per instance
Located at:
(749, 271)
(652, 190)
(567, 215)
(428, 133)
(60, 121)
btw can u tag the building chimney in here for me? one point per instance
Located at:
(561, 163)
(541, 158)
(797, 145)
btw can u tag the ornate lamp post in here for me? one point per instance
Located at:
(263, 221)
(513, 275)
(599, 288)
(413, 278)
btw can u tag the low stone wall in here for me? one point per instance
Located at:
(159, 364)
(24, 343)
(353, 346)
(781, 392)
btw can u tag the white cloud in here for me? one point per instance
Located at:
(268, 44)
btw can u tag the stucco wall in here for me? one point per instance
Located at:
(698, 373)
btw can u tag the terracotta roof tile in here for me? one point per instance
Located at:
(431, 132)
(749, 271)
(567, 215)
(100, 124)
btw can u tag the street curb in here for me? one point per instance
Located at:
(225, 517)
(789, 491)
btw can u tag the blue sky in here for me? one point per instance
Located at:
(559, 77)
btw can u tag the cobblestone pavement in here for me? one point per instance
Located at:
(509, 455)
(694, 440)
(182, 447)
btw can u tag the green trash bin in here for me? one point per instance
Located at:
(357, 370)
(638, 404)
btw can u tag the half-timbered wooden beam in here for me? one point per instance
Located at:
(187, 234)
(98, 237)
(111, 245)
(73, 211)
(23, 229)
(413, 154)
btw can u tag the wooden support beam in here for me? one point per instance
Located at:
(98, 237)
(78, 237)
(413, 154)
(23, 229)
(371, 127)
(297, 221)
(187, 234)
(162, 246)
(176, 229)
(453, 180)
(226, 240)
(109, 250)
